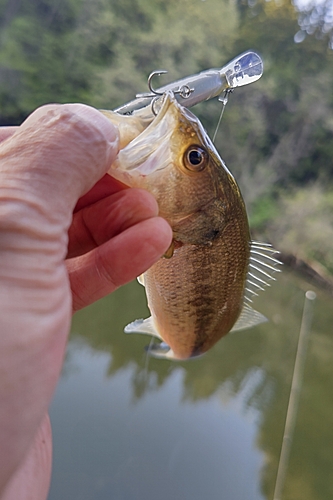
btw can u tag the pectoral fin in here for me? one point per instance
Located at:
(141, 279)
(169, 253)
(145, 326)
(248, 318)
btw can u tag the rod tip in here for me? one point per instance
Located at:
(310, 295)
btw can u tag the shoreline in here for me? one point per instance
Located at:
(307, 271)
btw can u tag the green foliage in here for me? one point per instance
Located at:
(277, 134)
(264, 210)
(101, 52)
(36, 58)
(182, 37)
(274, 135)
(305, 226)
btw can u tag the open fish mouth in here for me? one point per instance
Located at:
(150, 150)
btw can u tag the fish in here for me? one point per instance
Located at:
(203, 287)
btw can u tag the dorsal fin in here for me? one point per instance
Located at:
(248, 318)
(262, 266)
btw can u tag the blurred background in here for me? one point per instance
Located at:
(276, 135)
(130, 427)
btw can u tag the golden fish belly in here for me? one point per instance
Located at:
(196, 296)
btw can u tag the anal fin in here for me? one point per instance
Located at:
(145, 326)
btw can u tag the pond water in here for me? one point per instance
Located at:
(130, 427)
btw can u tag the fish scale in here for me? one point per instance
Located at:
(195, 315)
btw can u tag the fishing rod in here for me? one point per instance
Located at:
(295, 392)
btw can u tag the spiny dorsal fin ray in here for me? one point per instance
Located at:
(262, 266)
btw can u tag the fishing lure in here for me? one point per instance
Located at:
(188, 91)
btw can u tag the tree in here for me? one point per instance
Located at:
(101, 52)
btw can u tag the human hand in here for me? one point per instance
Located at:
(51, 166)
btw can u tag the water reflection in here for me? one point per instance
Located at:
(128, 426)
(160, 446)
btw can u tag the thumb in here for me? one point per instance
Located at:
(58, 154)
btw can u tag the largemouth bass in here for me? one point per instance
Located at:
(202, 290)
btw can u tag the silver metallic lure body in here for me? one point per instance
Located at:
(188, 91)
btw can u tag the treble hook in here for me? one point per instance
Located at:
(151, 76)
(153, 104)
(184, 90)
(153, 92)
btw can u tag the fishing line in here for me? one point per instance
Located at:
(219, 122)
(224, 103)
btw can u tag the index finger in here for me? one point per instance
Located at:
(106, 186)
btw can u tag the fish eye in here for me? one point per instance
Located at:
(195, 158)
